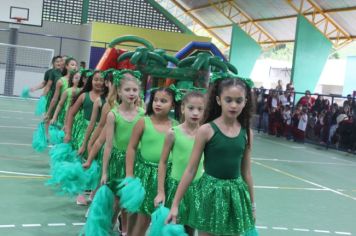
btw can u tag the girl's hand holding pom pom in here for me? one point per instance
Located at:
(104, 179)
(86, 165)
(172, 216)
(159, 199)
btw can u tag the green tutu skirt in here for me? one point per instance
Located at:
(80, 126)
(147, 172)
(116, 169)
(186, 202)
(222, 207)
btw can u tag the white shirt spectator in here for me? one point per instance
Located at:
(284, 100)
(274, 103)
(302, 125)
(287, 117)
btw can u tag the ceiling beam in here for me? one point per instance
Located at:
(335, 10)
(233, 13)
(200, 23)
(202, 7)
(322, 21)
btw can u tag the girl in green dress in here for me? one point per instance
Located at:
(149, 133)
(65, 102)
(119, 125)
(225, 199)
(60, 86)
(179, 143)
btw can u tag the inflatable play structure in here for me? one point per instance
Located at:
(190, 66)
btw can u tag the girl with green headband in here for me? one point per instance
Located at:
(85, 103)
(65, 102)
(60, 86)
(225, 198)
(118, 128)
(148, 134)
(179, 144)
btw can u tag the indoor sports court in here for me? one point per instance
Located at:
(296, 57)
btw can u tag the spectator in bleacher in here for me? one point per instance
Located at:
(326, 105)
(287, 121)
(346, 110)
(279, 86)
(284, 98)
(333, 123)
(318, 105)
(274, 101)
(307, 100)
(344, 132)
(299, 135)
(82, 65)
(348, 101)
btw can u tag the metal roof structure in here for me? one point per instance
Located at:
(269, 22)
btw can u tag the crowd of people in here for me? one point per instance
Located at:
(312, 117)
(115, 140)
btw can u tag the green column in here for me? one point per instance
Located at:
(85, 9)
(244, 51)
(311, 50)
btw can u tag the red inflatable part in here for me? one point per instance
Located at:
(125, 64)
(108, 60)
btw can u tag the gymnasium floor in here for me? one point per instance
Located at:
(300, 189)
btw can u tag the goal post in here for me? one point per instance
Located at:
(22, 66)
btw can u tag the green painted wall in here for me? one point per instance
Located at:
(244, 51)
(311, 51)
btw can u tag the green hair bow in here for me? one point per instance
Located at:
(202, 90)
(216, 76)
(120, 74)
(105, 73)
(73, 72)
(178, 93)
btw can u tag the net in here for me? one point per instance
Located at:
(22, 66)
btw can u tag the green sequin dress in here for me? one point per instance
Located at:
(121, 139)
(181, 151)
(222, 202)
(146, 166)
(62, 113)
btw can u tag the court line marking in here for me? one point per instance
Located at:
(305, 149)
(31, 225)
(7, 226)
(257, 226)
(17, 144)
(18, 127)
(23, 173)
(304, 180)
(56, 224)
(306, 162)
(289, 188)
(22, 177)
(15, 111)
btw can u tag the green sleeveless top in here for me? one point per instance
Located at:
(69, 98)
(181, 151)
(152, 141)
(223, 155)
(123, 129)
(88, 105)
(64, 84)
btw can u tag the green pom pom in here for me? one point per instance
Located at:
(131, 194)
(252, 232)
(41, 106)
(62, 152)
(101, 211)
(25, 92)
(68, 178)
(56, 135)
(39, 140)
(158, 218)
(174, 230)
